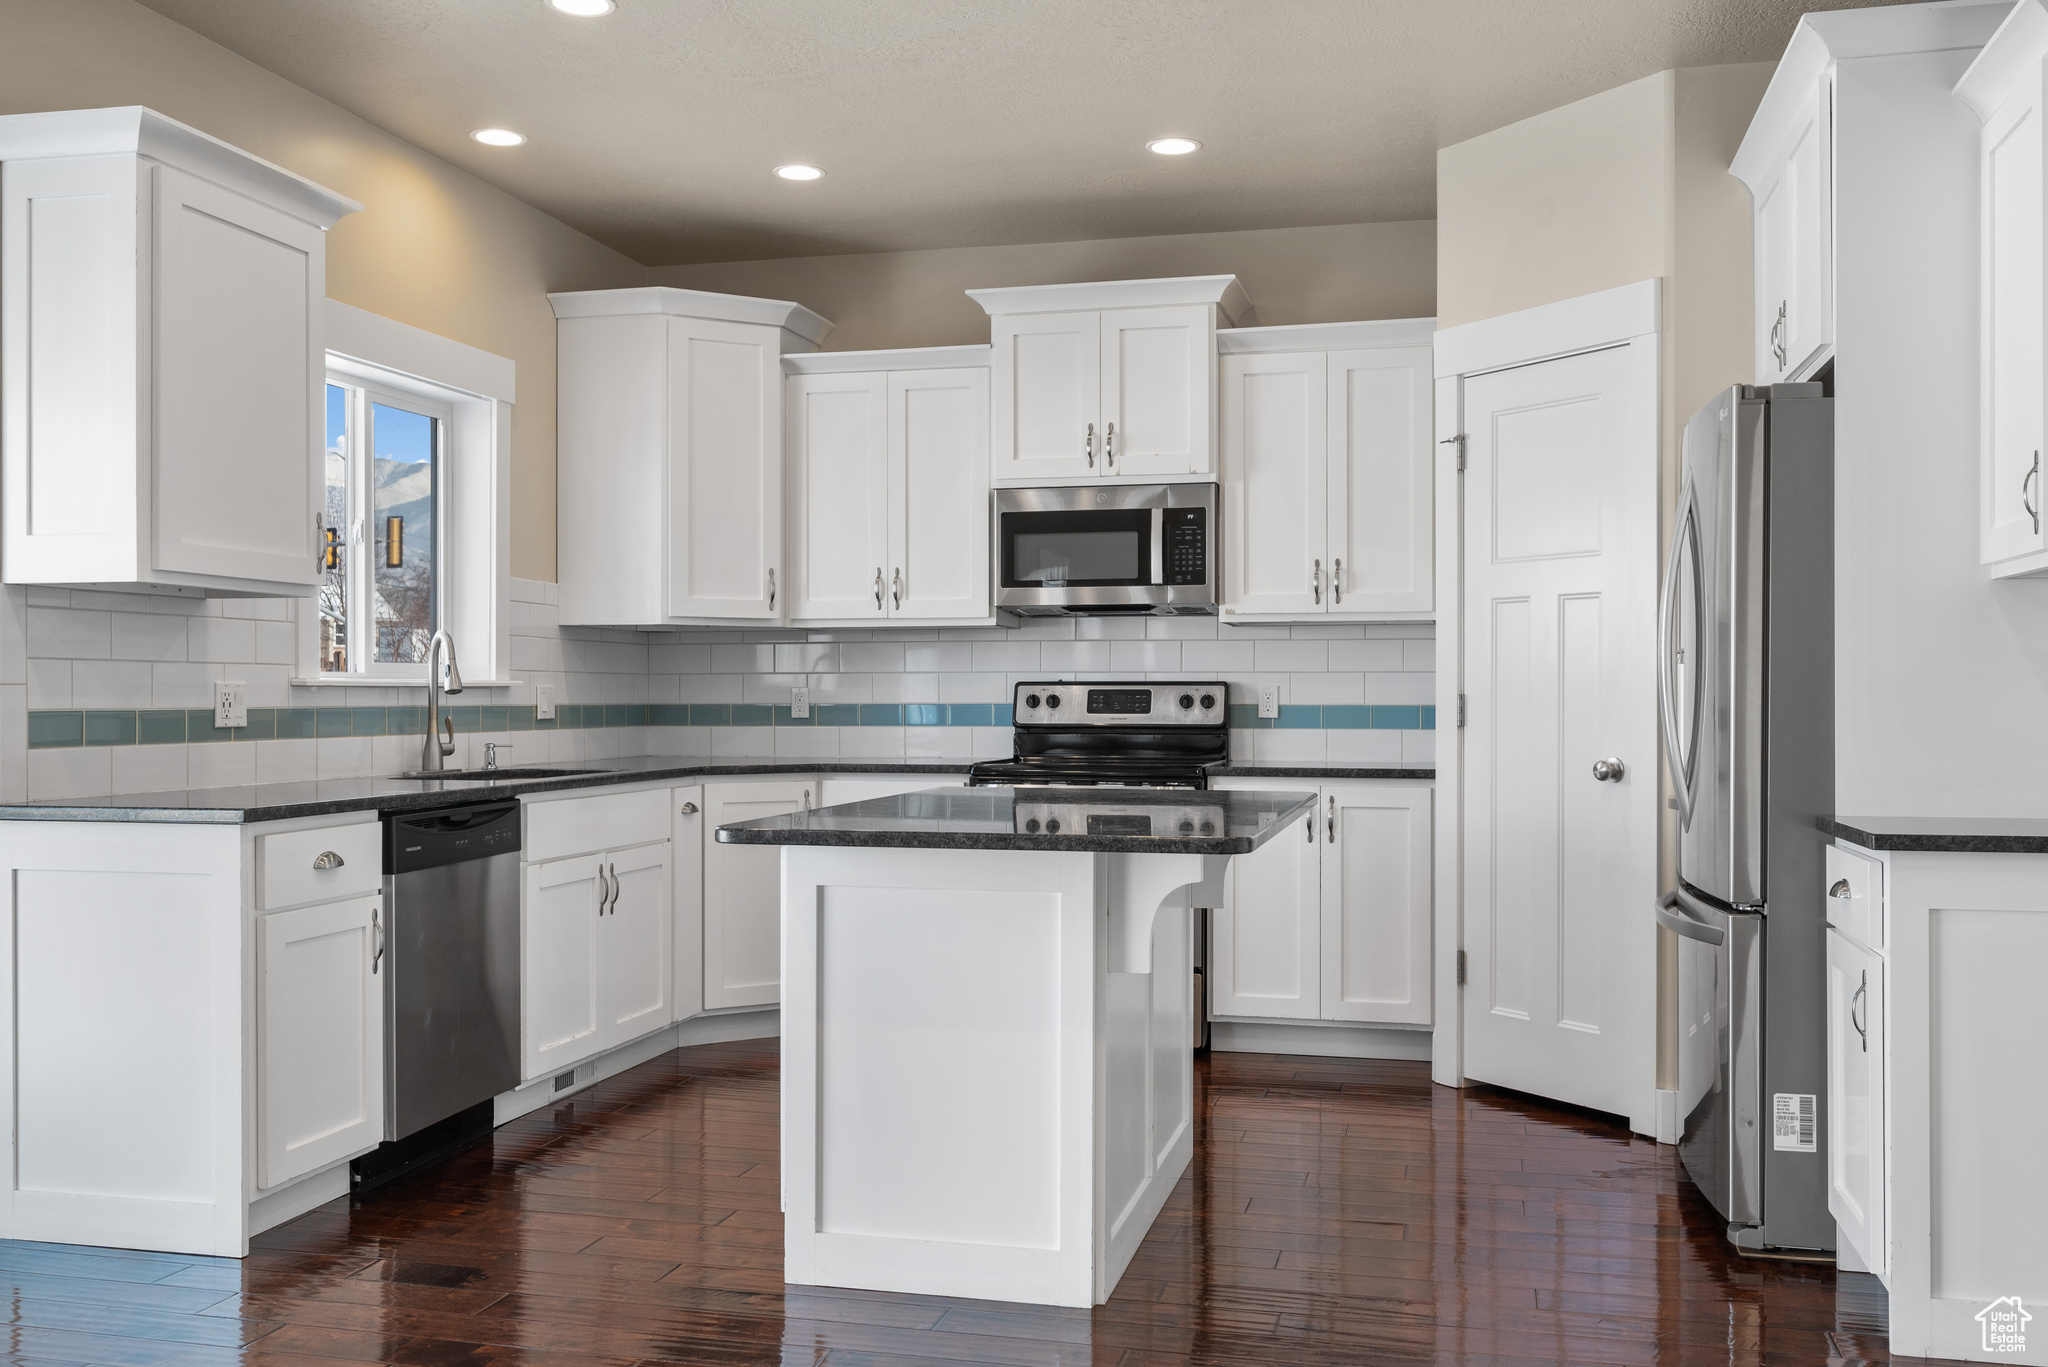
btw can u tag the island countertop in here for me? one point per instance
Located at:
(1942, 834)
(1078, 820)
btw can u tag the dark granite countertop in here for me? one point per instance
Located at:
(1943, 834)
(1320, 771)
(1083, 820)
(327, 797)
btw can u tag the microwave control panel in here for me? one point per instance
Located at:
(1187, 546)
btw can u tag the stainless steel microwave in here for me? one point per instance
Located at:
(1094, 550)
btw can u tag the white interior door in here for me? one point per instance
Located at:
(558, 964)
(2012, 302)
(938, 494)
(1046, 392)
(743, 895)
(1376, 904)
(633, 944)
(1382, 487)
(1159, 390)
(1560, 671)
(1275, 450)
(320, 1044)
(839, 513)
(1263, 949)
(724, 470)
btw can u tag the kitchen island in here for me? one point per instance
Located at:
(988, 1017)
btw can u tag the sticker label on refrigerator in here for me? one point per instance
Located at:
(1793, 1122)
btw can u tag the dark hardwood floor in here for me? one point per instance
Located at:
(1337, 1212)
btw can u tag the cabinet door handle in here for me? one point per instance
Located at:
(1109, 446)
(878, 588)
(2027, 486)
(1336, 581)
(1780, 335)
(1316, 580)
(1861, 987)
(1333, 818)
(376, 940)
(896, 591)
(612, 871)
(689, 809)
(1308, 827)
(328, 859)
(1841, 889)
(1089, 446)
(604, 891)
(807, 799)
(771, 588)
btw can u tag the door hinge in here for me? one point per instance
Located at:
(1461, 968)
(1459, 442)
(1461, 709)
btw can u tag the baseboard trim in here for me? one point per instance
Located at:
(1665, 1106)
(289, 1203)
(1320, 1041)
(762, 1024)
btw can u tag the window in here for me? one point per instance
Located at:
(387, 483)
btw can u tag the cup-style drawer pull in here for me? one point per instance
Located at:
(328, 859)
(689, 809)
(1841, 889)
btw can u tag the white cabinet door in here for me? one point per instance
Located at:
(2010, 177)
(1263, 946)
(558, 964)
(320, 1041)
(1794, 212)
(1045, 391)
(839, 470)
(1158, 390)
(239, 362)
(724, 470)
(1275, 448)
(743, 895)
(1856, 1099)
(686, 883)
(634, 950)
(1382, 500)
(1376, 904)
(1775, 246)
(938, 483)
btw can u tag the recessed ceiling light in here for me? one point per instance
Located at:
(1173, 147)
(498, 137)
(798, 171)
(583, 9)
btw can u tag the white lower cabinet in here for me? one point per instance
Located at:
(634, 952)
(1856, 1098)
(743, 894)
(1330, 921)
(558, 925)
(686, 881)
(320, 1036)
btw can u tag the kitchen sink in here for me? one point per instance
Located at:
(497, 775)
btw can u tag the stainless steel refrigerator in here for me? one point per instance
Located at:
(1746, 673)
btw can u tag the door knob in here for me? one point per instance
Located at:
(1609, 770)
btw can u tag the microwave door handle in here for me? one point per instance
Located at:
(1159, 546)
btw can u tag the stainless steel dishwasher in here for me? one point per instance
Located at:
(451, 886)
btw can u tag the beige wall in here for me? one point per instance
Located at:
(435, 247)
(896, 299)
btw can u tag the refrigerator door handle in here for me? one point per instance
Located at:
(1675, 913)
(1684, 537)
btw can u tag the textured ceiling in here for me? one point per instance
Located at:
(967, 122)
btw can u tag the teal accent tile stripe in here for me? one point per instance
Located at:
(63, 728)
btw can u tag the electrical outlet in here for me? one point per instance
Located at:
(544, 701)
(230, 705)
(799, 702)
(1269, 700)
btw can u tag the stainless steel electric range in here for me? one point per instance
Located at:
(1133, 735)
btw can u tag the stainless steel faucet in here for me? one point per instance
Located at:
(438, 682)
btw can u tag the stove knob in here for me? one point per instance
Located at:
(1208, 828)
(1187, 700)
(1186, 827)
(1032, 826)
(1052, 700)
(1052, 827)
(1208, 701)
(1031, 700)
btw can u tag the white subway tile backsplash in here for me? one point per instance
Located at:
(1362, 747)
(974, 688)
(1325, 689)
(1398, 689)
(108, 683)
(1109, 629)
(148, 768)
(906, 687)
(82, 771)
(1219, 658)
(220, 764)
(148, 636)
(1140, 657)
(1419, 656)
(1292, 657)
(1073, 659)
(1367, 656)
(1004, 656)
(181, 685)
(49, 683)
(936, 657)
(230, 640)
(67, 634)
(286, 761)
(866, 657)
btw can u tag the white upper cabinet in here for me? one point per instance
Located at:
(2004, 88)
(1793, 199)
(670, 455)
(161, 357)
(1111, 381)
(889, 481)
(1328, 489)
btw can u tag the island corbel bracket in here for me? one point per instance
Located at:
(1140, 885)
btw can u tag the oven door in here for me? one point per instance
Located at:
(1129, 548)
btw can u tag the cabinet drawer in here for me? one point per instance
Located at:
(608, 821)
(1855, 900)
(285, 872)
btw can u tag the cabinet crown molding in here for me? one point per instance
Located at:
(141, 131)
(1387, 332)
(2015, 52)
(1224, 291)
(1820, 40)
(899, 358)
(666, 299)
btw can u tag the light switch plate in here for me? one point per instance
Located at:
(799, 702)
(1269, 700)
(544, 701)
(230, 704)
